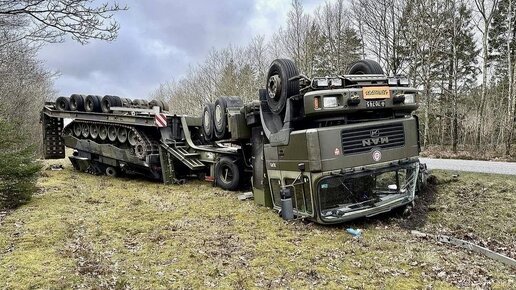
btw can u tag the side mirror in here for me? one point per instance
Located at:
(301, 167)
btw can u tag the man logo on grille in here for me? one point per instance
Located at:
(377, 155)
(375, 133)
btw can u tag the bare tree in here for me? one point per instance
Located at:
(52, 20)
(486, 10)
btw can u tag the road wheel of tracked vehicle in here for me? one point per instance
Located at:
(94, 131)
(77, 129)
(207, 122)
(110, 101)
(112, 134)
(103, 132)
(227, 174)
(111, 171)
(132, 138)
(122, 135)
(85, 130)
(77, 102)
(92, 103)
(220, 119)
(62, 104)
(365, 67)
(279, 87)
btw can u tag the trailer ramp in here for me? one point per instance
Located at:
(169, 153)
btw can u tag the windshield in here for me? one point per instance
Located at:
(343, 193)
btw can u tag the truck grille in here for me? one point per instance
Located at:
(362, 139)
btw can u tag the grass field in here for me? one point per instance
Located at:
(83, 231)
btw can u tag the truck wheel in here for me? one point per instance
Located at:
(279, 87)
(77, 102)
(142, 104)
(207, 121)
(111, 171)
(227, 174)
(365, 67)
(92, 103)
(110, 101)
(62, 104)
(103, 132)
(157, 103)
(126, 103)
(220, 118)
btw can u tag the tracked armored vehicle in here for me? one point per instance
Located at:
(328, 149)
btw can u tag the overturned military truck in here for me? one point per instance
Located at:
(328, 149)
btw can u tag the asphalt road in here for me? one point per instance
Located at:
(471, 165)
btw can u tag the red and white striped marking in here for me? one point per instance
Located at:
(160, 120)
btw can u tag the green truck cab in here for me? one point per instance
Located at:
(350, 151)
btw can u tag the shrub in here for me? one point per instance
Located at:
(18, 166)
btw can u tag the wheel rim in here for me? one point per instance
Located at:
(274, 87)
(207, 123)
(94, 131)
(132, 138)
(122, 135)
(112, 133)
(218, 116)
(89, 105)
(103, 132)
(85, 131)
(226, 174)
(77, 130)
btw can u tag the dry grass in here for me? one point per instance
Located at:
(84, 231)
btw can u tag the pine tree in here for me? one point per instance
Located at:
(18, 168)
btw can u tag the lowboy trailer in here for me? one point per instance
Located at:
(327, 149)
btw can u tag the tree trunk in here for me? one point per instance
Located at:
(484, 84)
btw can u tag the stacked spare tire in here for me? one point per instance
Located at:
(215, 117)
(99, 104)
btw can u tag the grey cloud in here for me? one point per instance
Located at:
(158, 41)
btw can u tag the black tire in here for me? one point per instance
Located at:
(110, 101)
(77, 102)
(227, 174)
(63, 104)
(92, 104)
(365, 67)
(157, 103)
(219, 114)
(126, 103)
(166, 108)
(142, 104)
(111, 171)
(279, 88)
(207, 121)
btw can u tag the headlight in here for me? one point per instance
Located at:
(322, 82)
(410, 98)
(330, 102)
(336, 82)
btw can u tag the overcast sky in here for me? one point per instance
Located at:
(158, 41)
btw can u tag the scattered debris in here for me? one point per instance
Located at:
(55, 167)
(467, 245)
(246, 195)
(356, 233)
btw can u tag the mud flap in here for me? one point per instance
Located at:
(53, 145)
